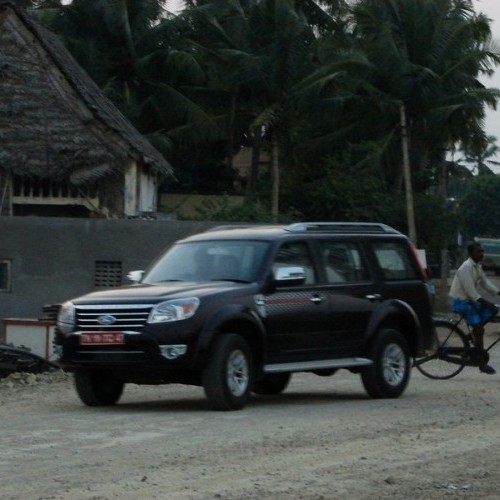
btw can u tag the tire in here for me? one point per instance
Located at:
(97, 387)
(448, 355)
(389, 374)
(271, 384)
(228, 375)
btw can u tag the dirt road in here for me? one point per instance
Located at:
(322, 439)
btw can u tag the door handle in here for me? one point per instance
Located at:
(373, 297)
(316, 299)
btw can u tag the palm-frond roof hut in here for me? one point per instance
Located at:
(57, 126)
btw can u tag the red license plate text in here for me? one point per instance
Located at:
(102, 338)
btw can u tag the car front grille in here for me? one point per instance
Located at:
(112, 317)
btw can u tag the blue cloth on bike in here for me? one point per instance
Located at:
(473, 312)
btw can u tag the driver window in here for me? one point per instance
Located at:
(296, 254)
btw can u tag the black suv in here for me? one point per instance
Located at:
(238, 309)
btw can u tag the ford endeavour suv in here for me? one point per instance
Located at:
(238, 310)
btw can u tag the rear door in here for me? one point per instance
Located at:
(352, 294)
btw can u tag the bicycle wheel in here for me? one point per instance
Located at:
(448, 356)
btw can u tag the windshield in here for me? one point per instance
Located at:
(209, 261)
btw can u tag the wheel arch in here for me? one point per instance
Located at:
(400, 316)
(234, 319)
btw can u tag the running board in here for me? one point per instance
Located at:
(324, 364)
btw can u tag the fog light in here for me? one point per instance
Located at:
(173, 351)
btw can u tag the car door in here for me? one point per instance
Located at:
(352, 294)
(296, 316)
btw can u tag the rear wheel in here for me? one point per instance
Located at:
(274, 383)
(388, 376)
(448, 354)
(97, 387)
(228, 375)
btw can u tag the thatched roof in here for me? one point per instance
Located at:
(54, 120)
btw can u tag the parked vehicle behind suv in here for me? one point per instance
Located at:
(491, 259)
(240, 309)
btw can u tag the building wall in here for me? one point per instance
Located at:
(54, 259)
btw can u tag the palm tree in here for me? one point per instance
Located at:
(255, 51)
(131, 50)
(262, 50)
(223, 69)
(481, 158)
(105, 36)
(424, 59)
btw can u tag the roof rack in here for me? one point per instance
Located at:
(231, 226)
(342, 227)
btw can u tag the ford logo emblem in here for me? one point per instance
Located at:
(106, 319)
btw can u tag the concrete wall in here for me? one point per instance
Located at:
(53, 259)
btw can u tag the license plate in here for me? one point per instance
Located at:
(102, 338)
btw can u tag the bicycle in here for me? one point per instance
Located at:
(452, 351)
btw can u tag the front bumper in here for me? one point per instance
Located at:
(139, 350)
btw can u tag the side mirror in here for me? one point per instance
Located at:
(289, 276)
(135, 276)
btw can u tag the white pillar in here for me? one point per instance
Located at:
(131, 192)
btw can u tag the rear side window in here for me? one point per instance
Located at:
(395, 261)
(343, 262)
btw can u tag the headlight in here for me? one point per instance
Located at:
(66, 318)
(174, 310)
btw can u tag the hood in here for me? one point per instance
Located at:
(150, 294)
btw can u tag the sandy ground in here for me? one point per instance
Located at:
(322, 439)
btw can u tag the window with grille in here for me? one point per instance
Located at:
(108, 274)
(5, 278)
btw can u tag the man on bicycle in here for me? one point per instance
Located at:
(467, 300)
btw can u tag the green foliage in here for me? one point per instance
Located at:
(479, 208)
(224, 209)
(437, 222)
(202, 178)
(227, 210)
(318, 83)
(427, 55)
(342, 187)
(480, 156)
(142, 60)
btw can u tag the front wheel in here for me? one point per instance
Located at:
(388, 376)
(97, 387)
(448, 354)
(228, 375)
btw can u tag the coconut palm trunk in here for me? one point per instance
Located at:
(275, 174)
(410, 206)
